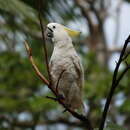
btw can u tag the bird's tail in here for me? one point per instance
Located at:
(85, 108)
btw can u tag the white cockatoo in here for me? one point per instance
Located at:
(65, 60)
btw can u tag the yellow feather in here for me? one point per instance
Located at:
(72, 33)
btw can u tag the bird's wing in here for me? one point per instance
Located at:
(79, 69)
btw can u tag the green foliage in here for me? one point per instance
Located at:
(112, 126)
(41, 104)
(18, 8)
(19, 85)
(125, 107)
(98, 75)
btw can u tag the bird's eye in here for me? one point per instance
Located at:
(54, 27)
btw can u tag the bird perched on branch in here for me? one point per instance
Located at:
(65, 65)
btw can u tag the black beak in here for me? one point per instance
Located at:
(50, 29)
(49, 32)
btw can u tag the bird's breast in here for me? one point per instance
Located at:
(59, 63)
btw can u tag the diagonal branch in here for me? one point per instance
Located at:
(115, 82)
(39, 74)
(43, 38)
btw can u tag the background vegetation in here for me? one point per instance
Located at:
(23, 105)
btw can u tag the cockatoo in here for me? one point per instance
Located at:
(65, 59)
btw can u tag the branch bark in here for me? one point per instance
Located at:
(39, 74)
(43, 38)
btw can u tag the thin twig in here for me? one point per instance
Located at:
(128, 53)
(34, 65)
(44, 45)
(122, 74)
(115, 83)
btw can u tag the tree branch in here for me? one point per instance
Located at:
(43, 38)
(39, 74)
(115, 83)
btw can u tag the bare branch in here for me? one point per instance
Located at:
(39, 74)
(122, 74)
(125, 56)
(43, 38)
(115, 83)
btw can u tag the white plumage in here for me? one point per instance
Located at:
(64, 58)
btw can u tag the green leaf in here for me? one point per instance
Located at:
(112, 126)
(41, 103)
(18, 8)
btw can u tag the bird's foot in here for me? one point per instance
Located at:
(67, 106)
(60, 97)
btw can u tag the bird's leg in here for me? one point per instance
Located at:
(58, 96)
(67, 106)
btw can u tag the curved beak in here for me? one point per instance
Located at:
(49, 32)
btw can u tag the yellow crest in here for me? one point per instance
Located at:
(72, 33)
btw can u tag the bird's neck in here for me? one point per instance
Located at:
(63, 45)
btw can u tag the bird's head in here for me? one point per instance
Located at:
(57, 32)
